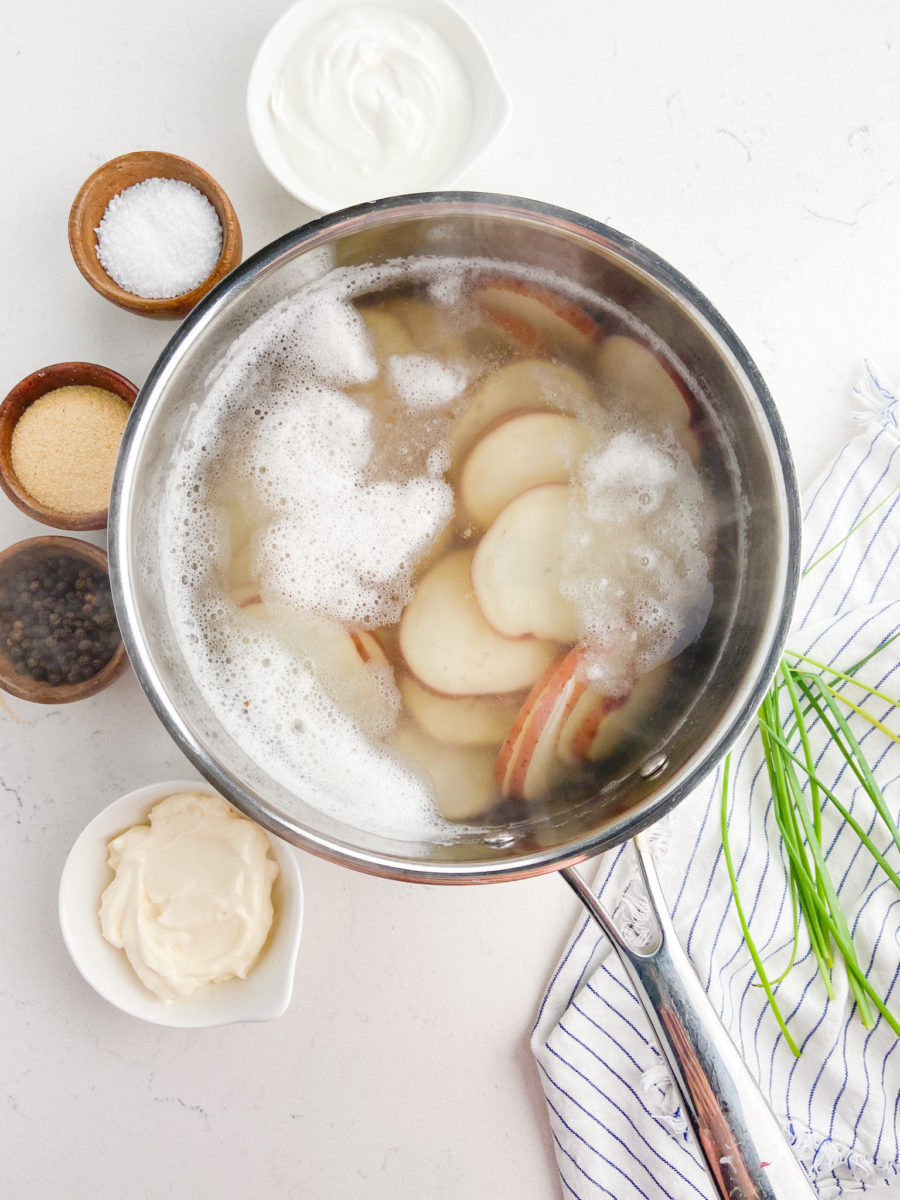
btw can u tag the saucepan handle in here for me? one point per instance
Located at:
(746, 1151)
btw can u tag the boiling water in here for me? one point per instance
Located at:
(320, 480)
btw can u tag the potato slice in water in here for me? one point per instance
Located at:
(238, 580)
(448, 645)
(567, 722)
(388, 332)
(582, 723)
(520, 452)
(246, 595)
(369, 648)
(432, 329)
(599, 724)
(626, 721)
(351, 668)
(462, 776)
(528, 384)
(460, 720)
(528, 764)
(633, 375)
(540, 320)
(256, 610)
(517, 568)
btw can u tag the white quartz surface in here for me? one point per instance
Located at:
(754, 146)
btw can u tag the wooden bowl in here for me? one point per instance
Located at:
(123, 172)
(31, 388)
(29, 554)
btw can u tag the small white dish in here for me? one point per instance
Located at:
(491, 106)
(262, 996)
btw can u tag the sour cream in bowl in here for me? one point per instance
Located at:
(191, 920)
(351, 100)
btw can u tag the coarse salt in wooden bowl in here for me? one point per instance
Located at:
(28, 557)
(115, 177)
(24, 394)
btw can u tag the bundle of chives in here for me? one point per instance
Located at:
(798, 794)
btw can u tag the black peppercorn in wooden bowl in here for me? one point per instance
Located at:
(59, 640)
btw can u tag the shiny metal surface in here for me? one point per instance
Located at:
(751, 467)
(745, 1149)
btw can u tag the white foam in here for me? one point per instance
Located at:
(636, 554)
(424, 382)
(449, 285)
(320, 556)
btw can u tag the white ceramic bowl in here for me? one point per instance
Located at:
(491, 107)
(263, 995)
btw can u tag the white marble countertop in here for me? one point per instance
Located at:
(753, 146)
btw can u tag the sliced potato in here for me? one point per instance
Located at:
(581, 725)
(448, 645)
(369, 648)
(522, 451)
(626, 720)
(255, 609)
(238, 579)
(541, 320)
(528, 764)
(431, 328)
(517, 568)
(460, 720)
(352, 668)
(389, 334)
(462, 776)
(525, 385)
(246, 595)
(633, 375)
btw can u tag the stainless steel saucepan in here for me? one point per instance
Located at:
(729, 667)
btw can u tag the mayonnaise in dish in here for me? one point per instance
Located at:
(191, 902)
(370, 102)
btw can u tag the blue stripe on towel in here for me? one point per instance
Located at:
(618, 1145)
(610, 1100)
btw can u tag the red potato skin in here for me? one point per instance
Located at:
(577, 688)
(515, 754)
(524, 334)
(363, 650)
(360, 647)
(527, 336)
(584, 738)
(505, 752)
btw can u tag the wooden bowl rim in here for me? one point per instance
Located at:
(62, 374)
(23, 687)
(104, 183)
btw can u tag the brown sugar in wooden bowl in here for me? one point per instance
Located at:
(124, 172)
(26, 559)
(24, 394)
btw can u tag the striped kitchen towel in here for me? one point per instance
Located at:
(614, 1114)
